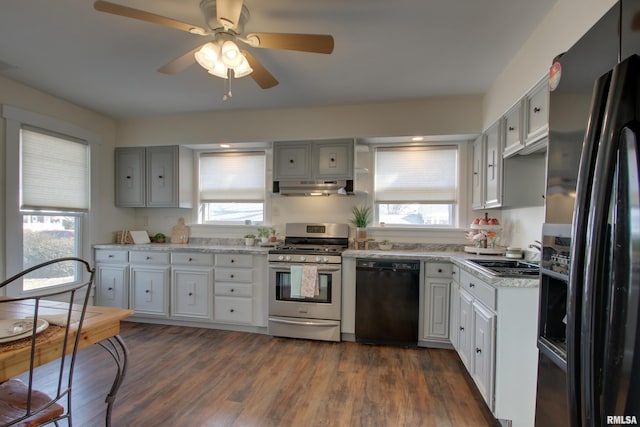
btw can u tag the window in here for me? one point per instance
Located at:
(54, 195)
(416, 185)
(232, 187)
(48, 196)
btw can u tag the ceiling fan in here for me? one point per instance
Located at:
(220, 54)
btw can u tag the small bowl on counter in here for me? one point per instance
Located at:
(385, 246)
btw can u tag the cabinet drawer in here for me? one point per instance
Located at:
(234, 260)
(234, 290)
(231, 309)
(438, 269)
(107, 255)
(192, 258)
(234, 275)
(142, 257)
(479, 289)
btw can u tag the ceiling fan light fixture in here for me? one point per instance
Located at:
(208, 55)
(219, 70)
(231, 55)
(244, 69)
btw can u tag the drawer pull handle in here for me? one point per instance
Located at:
(472, 285)
(478, 350)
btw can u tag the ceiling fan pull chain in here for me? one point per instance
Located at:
(227, 84)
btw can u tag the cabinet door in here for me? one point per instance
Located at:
(291, 161)
(465, 331)
(484, 322)
(493, 167)
(333, 160)
(162, 167)
(537, 112)
(513, 140)
(436, 317)
(149, 290)
(477, 184)
(111, 285)
(130, 177)
(192, 292)
(454, 314)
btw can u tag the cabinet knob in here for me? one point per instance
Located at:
(233, 260)
(478, 350)
(472, 285)
(332, 160)
(128, 176)
(190, 259)
(231, 276)
(231, 311)
(147, 291)
(291, 161)
(536, 109)
(148, 257)
(462, 328)
(109, 289)
(110, 256)
(231, 290)
(160, 176)
(511, 128)
(190, 294)
(439, 270)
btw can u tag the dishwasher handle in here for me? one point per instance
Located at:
(381, 265)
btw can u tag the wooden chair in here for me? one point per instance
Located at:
(21, 403)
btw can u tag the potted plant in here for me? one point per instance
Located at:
(385, 245)
(159, 238)
(263, 233)
(249, 239)
(273, 235)
(361, 218)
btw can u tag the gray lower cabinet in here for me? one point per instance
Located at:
(149, 281)
(191, 285)
(112, 278)
(437, 287)
(234, 288)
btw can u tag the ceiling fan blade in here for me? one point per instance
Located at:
(315, 43)
(260, 74)
(116, 9)
(181, 63)
(228, 13)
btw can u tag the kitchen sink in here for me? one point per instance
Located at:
(508, 268)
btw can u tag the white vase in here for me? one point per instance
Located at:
(249, 241)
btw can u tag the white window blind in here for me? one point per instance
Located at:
(416, 174)
(54, 172)
(232, 177)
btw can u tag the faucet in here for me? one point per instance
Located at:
(538, 246)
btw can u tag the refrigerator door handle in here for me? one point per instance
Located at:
(578, 231)
(602, 280)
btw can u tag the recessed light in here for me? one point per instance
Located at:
(418, 138)
(225, 146)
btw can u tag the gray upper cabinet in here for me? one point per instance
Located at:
(537, 118)
(493, 165)
(154, 177)
(130, 177)
(313, 160)
(291, 160)
(513, 141)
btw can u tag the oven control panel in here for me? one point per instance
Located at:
(306, 258)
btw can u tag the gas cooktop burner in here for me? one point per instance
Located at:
(312, 249)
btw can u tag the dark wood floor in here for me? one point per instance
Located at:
(201, 377)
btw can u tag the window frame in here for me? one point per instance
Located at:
(265, 200)
(462, 205)
(15, 119)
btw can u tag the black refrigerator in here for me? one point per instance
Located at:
(589, 323)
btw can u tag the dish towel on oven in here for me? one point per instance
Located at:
(296, 280)
(309, 287)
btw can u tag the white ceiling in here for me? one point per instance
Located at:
(384, 50)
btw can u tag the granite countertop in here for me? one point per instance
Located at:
(458, 258)
(186, 247)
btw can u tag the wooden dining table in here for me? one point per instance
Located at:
(101, 326)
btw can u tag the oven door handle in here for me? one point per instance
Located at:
(300, 322)
(287, 267)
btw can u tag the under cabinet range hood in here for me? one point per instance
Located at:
(313, 188)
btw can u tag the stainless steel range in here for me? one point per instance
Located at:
(305, 281)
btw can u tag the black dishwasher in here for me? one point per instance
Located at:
(387, 302)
